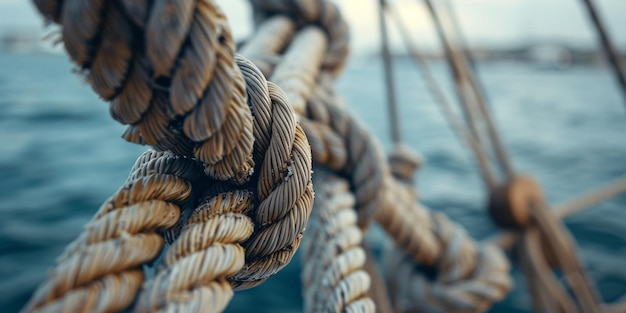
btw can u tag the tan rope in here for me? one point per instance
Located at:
(450, 291)
(408, 223)
(220, 246)
(378, 289)
(469, 277)
(300, 66)
(197, 264)
(322, 13)
(182, 91)
(101, 270)
(560, 211)
(270, 37)
(284, 188)
(333, 276)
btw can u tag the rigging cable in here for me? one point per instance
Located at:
(609, 48)
(469, 94)
(392, 103)
(454, 121)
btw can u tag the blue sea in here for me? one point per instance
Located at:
(61, 156)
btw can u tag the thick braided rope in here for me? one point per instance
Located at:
(333, 277)
(101, 270)
(284, 188)
(167, 67)
(342, 142)
(217, 249)
(322, 13)
(208, 250)
(337, 139)
(182, 61)
(433, 241)
(271, 36)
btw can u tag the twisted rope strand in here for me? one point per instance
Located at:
(197, 264)
(100, 271)
(128, 51)
(269, 38)
(333, 274)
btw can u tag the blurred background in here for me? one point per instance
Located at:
(554, 99)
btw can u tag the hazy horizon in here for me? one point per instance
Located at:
(493, 23)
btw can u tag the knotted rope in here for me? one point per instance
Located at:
(168, 68)
(340, 142)
(333, 276)
(437, 242)
(469, 277)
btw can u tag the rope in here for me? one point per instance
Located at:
(408, 223)
(168, 68)
(452, 290)
(270, 36)
(361, 153)
(612, 54)
(378, 289)
(284, 188)
(392, 105)
(469, 277)
(469, 94)
(455, 123)
(197, 264)
(399, 215)
(333, 276)
(322, 13)
(182, 91)
(101, 270)
(615, 188)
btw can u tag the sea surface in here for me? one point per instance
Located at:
(61, 156)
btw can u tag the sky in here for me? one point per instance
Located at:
(484, 22)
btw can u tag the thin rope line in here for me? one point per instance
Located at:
(609, 48)
(445, 104)
(392, 105)
(469, 94)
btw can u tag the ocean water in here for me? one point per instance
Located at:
(61, 156)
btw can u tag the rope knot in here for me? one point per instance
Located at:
(510, 203)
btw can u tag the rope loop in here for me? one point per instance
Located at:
(469, 277)
(319, 12)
